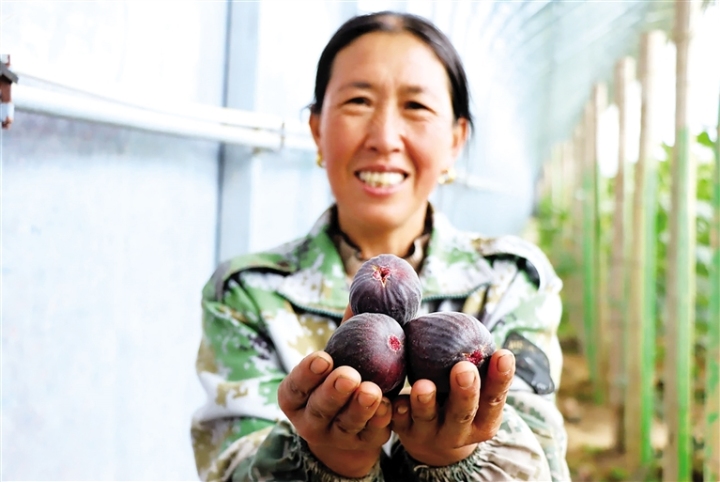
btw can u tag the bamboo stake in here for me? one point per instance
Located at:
(602, 335)
(681, 279)
(711, 459)
(592, 310)
(624, 73)
(577, 208)
(565, 247)
(640, 363)
(588, 251)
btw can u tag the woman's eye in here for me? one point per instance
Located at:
(415, 105)
(358, 101)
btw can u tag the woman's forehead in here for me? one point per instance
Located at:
(378, 57)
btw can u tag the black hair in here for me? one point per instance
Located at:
(387, 21)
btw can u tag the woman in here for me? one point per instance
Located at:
(390, 116)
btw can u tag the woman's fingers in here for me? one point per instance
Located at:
(423, 408)
(382, 416)
(462, 404)
(361, 408)
(494, 392)
(416, 414)
(329, 398)
(294, 391)
(401, 421)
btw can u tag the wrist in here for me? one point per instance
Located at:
(352, 464)
(441, 458)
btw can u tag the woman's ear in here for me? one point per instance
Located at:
(314, 123)
(460, 135)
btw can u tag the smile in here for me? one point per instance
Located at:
(380, 179)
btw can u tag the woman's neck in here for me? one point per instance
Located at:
(373, 240)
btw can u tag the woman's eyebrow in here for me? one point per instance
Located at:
(357, 84)
(363, 84)
(414, 89)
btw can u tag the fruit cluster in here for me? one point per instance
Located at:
(385, 341)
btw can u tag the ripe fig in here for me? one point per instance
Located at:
(437, 341)
(386, 284)
(374, 345)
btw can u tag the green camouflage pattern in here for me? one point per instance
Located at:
(264, 312)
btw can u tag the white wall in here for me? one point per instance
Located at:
(107, 238)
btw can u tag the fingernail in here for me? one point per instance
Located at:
(382, 410)
(425, 397)
(366, 399)
(402, 409)
(345, 385)
(319, 365)
(506, 363)
(465, 379)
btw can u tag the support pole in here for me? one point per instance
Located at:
(681, 280)
(601, 333)
(711, 456)
(575, 287)
(640, 330)
(589, 306)
(624, 75)
(592, 316)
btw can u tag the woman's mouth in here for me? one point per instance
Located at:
(381, 179)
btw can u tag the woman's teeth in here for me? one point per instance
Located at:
(381, 179)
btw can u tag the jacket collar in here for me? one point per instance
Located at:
(453, 268)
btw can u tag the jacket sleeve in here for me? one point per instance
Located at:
(240, 433)
(513, 454)
(526, 313)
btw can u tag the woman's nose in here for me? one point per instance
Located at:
(385, 131)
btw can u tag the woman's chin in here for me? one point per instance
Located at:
(380, 217)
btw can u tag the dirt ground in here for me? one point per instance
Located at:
(592, 449)
(591, 446)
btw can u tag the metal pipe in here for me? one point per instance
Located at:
(195, 121)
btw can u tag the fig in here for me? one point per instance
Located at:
(374, 345)
(386, 284)
(437, 341)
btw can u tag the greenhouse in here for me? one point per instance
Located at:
(146, 144)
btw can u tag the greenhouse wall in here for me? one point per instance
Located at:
(107, 237)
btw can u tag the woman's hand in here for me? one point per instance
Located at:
(344, 421)
(471, 414)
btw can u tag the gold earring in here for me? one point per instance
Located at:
(319, 160)
(447, 176)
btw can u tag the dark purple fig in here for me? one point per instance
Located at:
(374, 345)
(386, 284)
(437, 341)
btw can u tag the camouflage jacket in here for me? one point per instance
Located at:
(262, 313)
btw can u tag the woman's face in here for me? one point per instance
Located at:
(386, 130)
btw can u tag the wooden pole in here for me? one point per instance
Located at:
(588, 251)
(575, 289)
(624, 75)
(602, 335)
(592, 276)
(681, 280)
(711, 458)
(640, 329)
(566, 246)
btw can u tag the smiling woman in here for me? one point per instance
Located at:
(386, 130)
(390, 116)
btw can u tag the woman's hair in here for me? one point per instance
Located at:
(396, 22)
